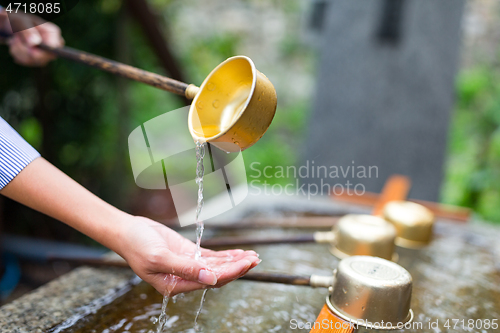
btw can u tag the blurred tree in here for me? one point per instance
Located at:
(65, 110)
(473, 171)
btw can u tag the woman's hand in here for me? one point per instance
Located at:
(156, 253)
(32, 31)
(159, 255)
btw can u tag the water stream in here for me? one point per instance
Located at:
(200, 172)
(202, 301)
(162, 320)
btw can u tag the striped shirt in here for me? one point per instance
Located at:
(15, 153)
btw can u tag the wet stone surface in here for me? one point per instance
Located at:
(456, 277)
(77, 292)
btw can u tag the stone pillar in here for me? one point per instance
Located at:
(385, 90)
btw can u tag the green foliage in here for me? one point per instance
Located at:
(79, 118)
(281, 144)
(64, 110)
(204, 54)
(31, 130)
(473, 167)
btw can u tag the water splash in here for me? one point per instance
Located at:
(197, 327)
(162, 320)
(171, 281)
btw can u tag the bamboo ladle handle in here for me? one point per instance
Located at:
(242, 241)
(117, 68)
(127, 71)
(396, 188)
(315, 281)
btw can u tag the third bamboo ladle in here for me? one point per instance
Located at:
(361, 289)
(353, 234)
(232, 109)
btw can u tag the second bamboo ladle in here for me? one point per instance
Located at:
(361, 289)
(232, 109)
(353, 234)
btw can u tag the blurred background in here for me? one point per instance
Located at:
(80, 118)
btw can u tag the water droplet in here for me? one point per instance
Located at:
(199, 104)
(216, 103)
(345, 291)
(211, 86)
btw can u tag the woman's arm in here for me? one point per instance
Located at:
(150, 248)
(46, 189)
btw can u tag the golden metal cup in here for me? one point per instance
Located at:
(369, 291)
(234, 107)
(413, 223)
(357, 234)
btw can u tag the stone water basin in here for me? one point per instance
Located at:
(456, 277)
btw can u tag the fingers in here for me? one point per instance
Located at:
(219, 261)
(188, 269)
(51, 34)
(184, 286)
(228, 264)
(212, 253)
(238, 254)
(20, 52)
(23, 45)
(170, 285)
(31, 37)
(234, 271)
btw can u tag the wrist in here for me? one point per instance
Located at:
(110, 229)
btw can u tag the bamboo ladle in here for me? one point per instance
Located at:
(232, 109)
(396, 188)
(315, 281)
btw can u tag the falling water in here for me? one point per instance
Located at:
(196, 326)
(200, 171)
(163, 315)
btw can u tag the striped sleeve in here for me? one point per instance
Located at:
(15, 153)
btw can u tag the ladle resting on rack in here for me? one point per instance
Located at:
(352, 235)
(362, 289)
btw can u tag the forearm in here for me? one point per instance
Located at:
(152, 250)
(46, 189)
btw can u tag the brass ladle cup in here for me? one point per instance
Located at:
(234, 107)
(232, 110)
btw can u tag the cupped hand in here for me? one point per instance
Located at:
(165, 259)
(23, 44)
